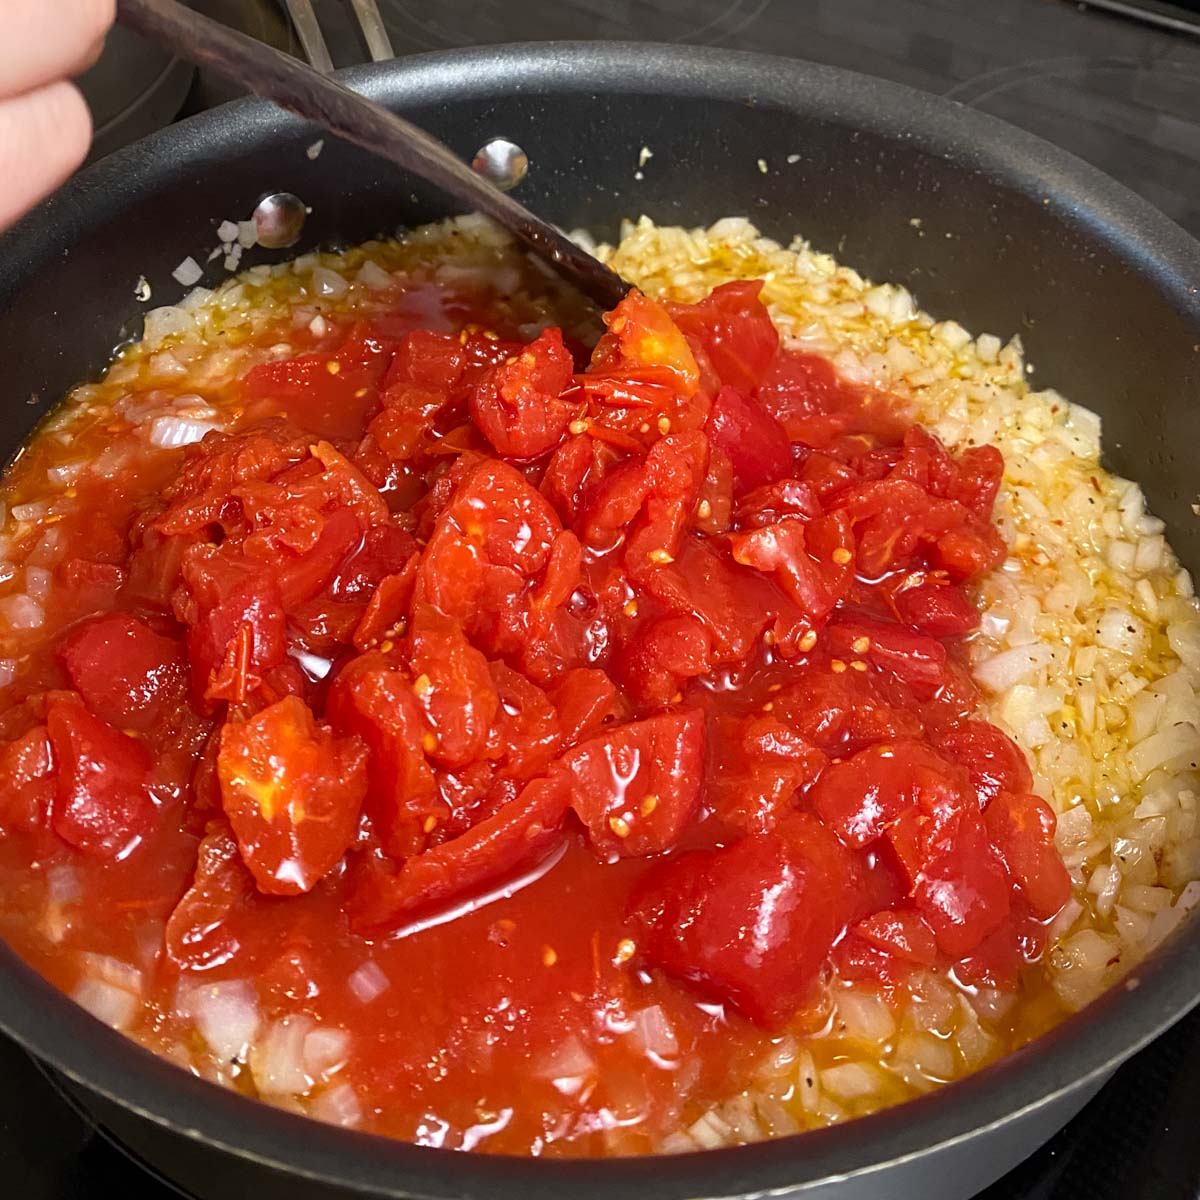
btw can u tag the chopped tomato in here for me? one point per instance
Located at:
(328, 395)
(637, 786)
(642, 336)
(894, 519)
(518, 405)
(900, 933)
(937, 609)
(491, 539)
(756, 779)
(577, 462)
(758, 448)
(968, 552)
(101, 801)
(992, 759)
(90, 587)
(734, 604)
(674, 474)
(453, 687)
(714, 508)
(862, 797)
(912, 658)
(199, 934)
(776, 501)
(961, 889)
(522, 831)
(840, 711)
(27, 782)
(812, 560)
(804, 394)
(663, 655)
(292, 792)
(127, 674)
(1021, 827)
(375, 700)
(382, 550)
(753, 923)
(995, 963)
(302, 576)
(584, 698)
(203, 492)
(237, 623)
(734, 329)
(525, 734)
(387, 610)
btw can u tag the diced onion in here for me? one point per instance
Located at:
(38, 582)
(775, 1116)
(1086, 950)
(338, 1106)
(313, 665)
(1002, 671)
(1061, 924)
(227, 232)
(1120, 630)
(864, 1017)
(739, 1114)
(169, 433)
(34, 511)
(374, 276)
(1177, 745)
(188, 272)
(65, 474)
(49, 549)
(108, 1003)
(368, 981)
(62, 883)
(325, 1051)
(851, 1081)
(653, 1033)
(568, 1060)
(1184, 639)
(780, 1060)
(329, 283)
(164, 322)
(922, 1058)
(277, 1059)
(710, 1131)
(115, 971)
(226, 1015)
(21, 612)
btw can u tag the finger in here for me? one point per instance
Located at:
(45, 40)
(44, 136)
(89, 56)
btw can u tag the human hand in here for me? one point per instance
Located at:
(45, 126)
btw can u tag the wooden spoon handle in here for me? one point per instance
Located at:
(297, 87)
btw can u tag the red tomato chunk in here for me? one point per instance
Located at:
(455, 657)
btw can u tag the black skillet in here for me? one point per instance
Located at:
(1015, 236)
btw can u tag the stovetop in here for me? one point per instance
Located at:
(1117, 83)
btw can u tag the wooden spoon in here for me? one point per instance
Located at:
(297, 87)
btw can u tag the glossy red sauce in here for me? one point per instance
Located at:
(606, 711)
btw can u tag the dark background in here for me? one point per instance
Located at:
(1122, 91)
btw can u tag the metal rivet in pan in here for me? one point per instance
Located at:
(501, 162)
(279, 220)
